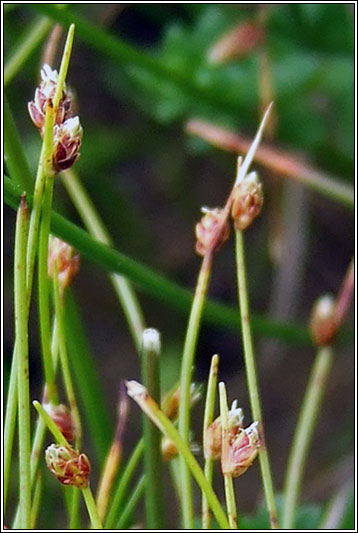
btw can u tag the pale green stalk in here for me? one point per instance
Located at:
(97, 229)
(251, 376)
(22, 348)
(185, 383)
(153, 462)
(36, 500)
(208, 418)
(92, 508)
(303, 434)
(229, 486)
(151, 408)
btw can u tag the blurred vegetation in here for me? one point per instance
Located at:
(139, 72)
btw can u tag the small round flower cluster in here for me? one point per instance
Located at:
(68, 465)
(242, 444)
(67, 135)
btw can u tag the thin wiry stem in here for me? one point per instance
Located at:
(303, 433)
(208, 418)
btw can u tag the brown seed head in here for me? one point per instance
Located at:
(242, 451)
(62, 417)
(213, 435)
(247, 201)
(68, 261)
(323, 323)
(67, 140)
(237, 43)
(212, 231)
(68, 465)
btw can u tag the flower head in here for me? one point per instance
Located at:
(213, 434)
(241, 451)
(323, 324)
(67, 140)
(247, 201)
(62, 417)
(68, 465)
(44, 93)
(68, 261)
(212, 230)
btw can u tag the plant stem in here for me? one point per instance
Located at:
(97, 229)
(122, 486)
(66, 372)
(251, 377)
(153, 464)
(155, 284)
(185, 383)
(43, 293)
(151, 408)
(303, 433)
(229, 486)
(92, 508)
(131, 504)
(22, 349)
(26, 47)
(208, 418)
(36, 500)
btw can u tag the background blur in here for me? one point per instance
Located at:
(149, 178)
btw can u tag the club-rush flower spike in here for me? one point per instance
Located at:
(66, 258)
(44, 93)
(212, 230)
(170, 403)
(323, 323)
(67, 140)
(213, 436)
(63, 418)
(68, 465)
(242, 451)
(238, 43)
(247, 201)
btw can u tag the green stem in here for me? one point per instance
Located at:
(132, 502)
(170, 293)
(229, 486)
(36, 500)
(208, 418)
(91, 508)
(40, 430)
(51, 425)
(151, 408)
(153, 464)
(66, 372)
(27, 45)
(185, 383)
(10, 423)
(43, 293)
(251, 376)
(124, 481)
(97, 229)
(304, 432)
(21, 331)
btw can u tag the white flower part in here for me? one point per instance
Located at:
(253, 433)
(135, 389)
(47, 74)
(325, 306)
(151, 340)
(252, 177)
(71, 127)
(236, 415)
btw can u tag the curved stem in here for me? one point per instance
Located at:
(303, 433)
(185, 383)
(251, 376)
